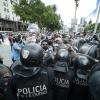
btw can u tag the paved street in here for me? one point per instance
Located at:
(5, 52)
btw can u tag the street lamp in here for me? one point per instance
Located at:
(76, 6)
(75, 20)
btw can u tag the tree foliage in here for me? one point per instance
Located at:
(37, 12)
(22, 9)
(51, 20)
(90, 27)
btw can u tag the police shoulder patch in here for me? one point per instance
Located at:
(25, 54)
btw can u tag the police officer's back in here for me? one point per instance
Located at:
(94, 81)
(30, 81)
(63, 76)
(5, 79)
(80, 89)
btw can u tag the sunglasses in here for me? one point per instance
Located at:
(44, 44)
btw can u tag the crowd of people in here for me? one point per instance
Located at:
(51, 67)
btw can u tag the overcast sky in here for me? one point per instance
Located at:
(66, 8)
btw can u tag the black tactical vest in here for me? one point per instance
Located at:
(79, 90)
(32, 88)
(62, 85)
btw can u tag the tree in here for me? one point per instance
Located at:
(46, 16)
(22, 9)
(89, 27)
(37, 12)
(54, 8)
(51, 20)
(90, 22)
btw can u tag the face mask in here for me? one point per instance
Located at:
(45, 47)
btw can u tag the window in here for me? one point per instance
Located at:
(7, 10)
(8, 17)
(11, 1)
(4, 9)
(5, 16)
(13, 18)
(0, 15)
(4, 3)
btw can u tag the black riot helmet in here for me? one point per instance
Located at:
(85, 49)
(31, 55)
(62, 55)
(5, 71)
(61, 61)
(95, 37)
(94, 81)
(82, 62)
(5, 78)
(89, 50)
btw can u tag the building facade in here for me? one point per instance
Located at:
(74, 23)
(82, 21)
(9, 21)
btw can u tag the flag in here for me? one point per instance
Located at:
(93, 13)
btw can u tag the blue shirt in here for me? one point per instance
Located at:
(16, 51)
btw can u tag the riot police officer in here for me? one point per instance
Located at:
(5, 79)
(31, 81)
(1, 60)
(63, 76)
(94, 81)
(82, 66)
